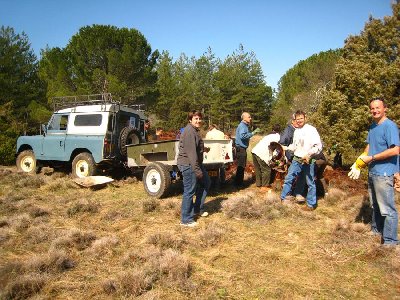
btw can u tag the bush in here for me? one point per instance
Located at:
(7, 149)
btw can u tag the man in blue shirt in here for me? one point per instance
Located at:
(243, 135)
(381, 156)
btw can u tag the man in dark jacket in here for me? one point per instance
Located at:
(287, 138)
(195, 177)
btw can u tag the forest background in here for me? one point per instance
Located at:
(333, 87)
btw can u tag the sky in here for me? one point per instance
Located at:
(279, 32)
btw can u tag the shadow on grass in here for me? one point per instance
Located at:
(365, 212)
(214, 206)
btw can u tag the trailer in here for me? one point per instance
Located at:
(158, 162)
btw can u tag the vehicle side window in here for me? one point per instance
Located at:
(128, 120)
(58, 122)
(88, 120)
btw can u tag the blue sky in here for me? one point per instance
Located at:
(280, 33)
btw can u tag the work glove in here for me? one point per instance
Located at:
(355, 169)
(255, 131)
(354, 172)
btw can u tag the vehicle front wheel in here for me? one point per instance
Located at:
(83, 165)
(156, 179)
(26, 162)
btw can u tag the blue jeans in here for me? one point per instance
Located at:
(294, 170)
(191, 187)
(300, 184)
(384, 212)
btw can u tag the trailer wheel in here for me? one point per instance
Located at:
(83, 165)
(26, 162)
(128, 136)
(156, 179)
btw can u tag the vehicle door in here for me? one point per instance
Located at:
(53, 146)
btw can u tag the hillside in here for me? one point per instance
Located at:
(61, 241)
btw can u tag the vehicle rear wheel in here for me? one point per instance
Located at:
(128, 136)
(83, 165)
(26, 162)
(156, 179)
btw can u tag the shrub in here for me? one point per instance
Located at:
(165, 240)
(150, 205)
(83, 206)
(212, 234)
(25, 286)
(53, 261)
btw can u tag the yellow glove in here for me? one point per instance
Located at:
(359, 162)
(355, 169)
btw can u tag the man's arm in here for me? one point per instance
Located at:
(392, 151)
(244, 133)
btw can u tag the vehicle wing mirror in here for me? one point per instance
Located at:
(44, 129)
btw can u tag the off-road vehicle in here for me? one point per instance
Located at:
(85, 133)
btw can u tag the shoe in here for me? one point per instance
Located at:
(286, 202)
(390, 245)
(300, 199)
(204, 214)
(307, 208)
(289, 198)
(190, 224)
(374, 233)
(265, 189)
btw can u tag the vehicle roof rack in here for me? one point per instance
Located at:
(138, 107)
(82, 100)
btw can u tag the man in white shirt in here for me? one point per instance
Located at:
(262, 156)
(306, 142)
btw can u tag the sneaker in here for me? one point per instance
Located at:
(390, 245)
(190, 224)
(374, 233)
(204, 214)
(289, 198)
(265, 189)
(308, 208)
(286, 202)
(300, 199)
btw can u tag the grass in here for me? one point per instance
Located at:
(60, 241)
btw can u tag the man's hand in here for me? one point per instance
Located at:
(199, 175)
(306, 159)
(206, 149)
(255, 131)
(354, 172)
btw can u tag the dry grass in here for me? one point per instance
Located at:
(60, 241)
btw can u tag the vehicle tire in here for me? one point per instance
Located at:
(156, 179)
(26, 162)
(83, 165)
(128, 136)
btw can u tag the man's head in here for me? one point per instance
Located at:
(212, 126)
(195, 117)
(276, 128)
(300, 118)
(246, 117)
(378, 109)
(146, 124)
